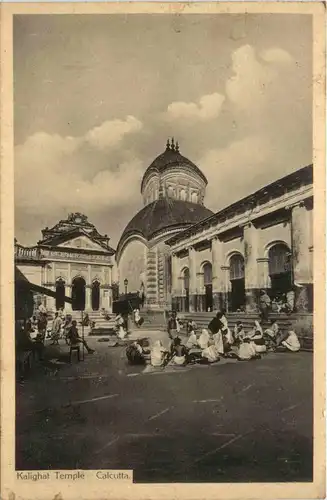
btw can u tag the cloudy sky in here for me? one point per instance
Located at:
(95, 98)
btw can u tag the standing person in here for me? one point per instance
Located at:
(120, 326)
(42, 325)
(173, 326)
(56, 329)
(75, 339)
(137, 317)
(264, 305)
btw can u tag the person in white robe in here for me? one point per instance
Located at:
(292, 342)
(256, 337)
(204, 338)
(158, 354)
(120, 326)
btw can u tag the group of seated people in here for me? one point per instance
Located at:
(213, 343)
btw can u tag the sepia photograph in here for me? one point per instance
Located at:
(164, 298)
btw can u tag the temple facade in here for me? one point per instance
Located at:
(173, 190)
(72, 259)
(262, 242)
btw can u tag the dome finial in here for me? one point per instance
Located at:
(167, 145)
(177, 147)
(172, 144)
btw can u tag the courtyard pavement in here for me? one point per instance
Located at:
(229, 422)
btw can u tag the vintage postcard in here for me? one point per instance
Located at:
(162, 250)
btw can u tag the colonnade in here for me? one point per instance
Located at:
(256, 266)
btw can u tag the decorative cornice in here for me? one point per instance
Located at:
(267, 200)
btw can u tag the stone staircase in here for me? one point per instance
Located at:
(285, 322)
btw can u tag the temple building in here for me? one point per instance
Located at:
(262, 242)
(173, 191)
(74, 260)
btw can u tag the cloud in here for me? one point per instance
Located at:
(276, 55)
(209, 107)
(53, 174)
(235, 165)
(111, 133)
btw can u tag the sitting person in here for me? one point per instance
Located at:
(291, 342)
(158, 354)
(190, 326)
(256, 336)
(246, 351)
(104, 314)
(271, 334)
(211, 353)
(135, 354)
(204, 338)
(75, 339)
(239, 333)
(192, 341)
(178, 352)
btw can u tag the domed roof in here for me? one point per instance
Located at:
(163, 214)
(170, 157)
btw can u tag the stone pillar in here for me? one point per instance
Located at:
(192, 270)
(302, 274)
(68, 288)
(88, 297)
(218, 276)
(250, 267)
(68, 293)
(174, 282)
(263, 273)
(226, 288)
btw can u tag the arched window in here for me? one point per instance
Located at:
(170, 191)
(236, 276)
(183, 194)
(280, 270)
(95, 296)
(60, 294)
(194, 197)
(186, 278)
(78, 294)
(236, 267)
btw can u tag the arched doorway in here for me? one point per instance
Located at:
(95, 296)
(60, 294)
(207, 279)
(78, 294)
(236, 276)
(280, 270)
(186, 287)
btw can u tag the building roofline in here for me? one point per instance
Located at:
(248, 202)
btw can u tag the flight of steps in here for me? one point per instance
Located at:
(284, 321)
(102, 326)
(153, 320)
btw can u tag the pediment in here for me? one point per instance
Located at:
(81, 243)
